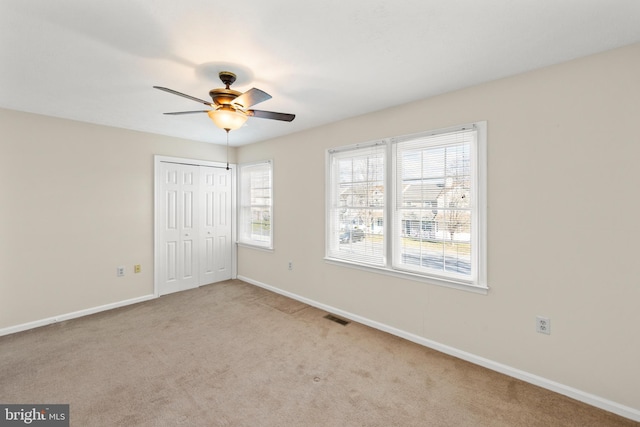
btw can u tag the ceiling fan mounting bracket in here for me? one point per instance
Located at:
(227, 77)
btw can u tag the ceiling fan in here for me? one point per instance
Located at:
(230, 108)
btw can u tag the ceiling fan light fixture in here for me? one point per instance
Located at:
(228, 118)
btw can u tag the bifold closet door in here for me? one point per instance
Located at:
(216, 223)
(179, 233)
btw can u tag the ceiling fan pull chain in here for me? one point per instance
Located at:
(227, 148)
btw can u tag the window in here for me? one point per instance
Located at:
(412, 206)
(357, 205)
(256, 208)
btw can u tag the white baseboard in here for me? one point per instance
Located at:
(590, 399)
(73, 315)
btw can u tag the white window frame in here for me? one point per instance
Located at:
(245, 221)
(477, 281)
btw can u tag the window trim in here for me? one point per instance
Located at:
(479, 158)
(253, 243)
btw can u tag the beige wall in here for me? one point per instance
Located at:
(77, 201)
(563, 147)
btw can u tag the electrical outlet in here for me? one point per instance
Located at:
(120, 271)
(137, 268)
(290, 265)
(543, 325)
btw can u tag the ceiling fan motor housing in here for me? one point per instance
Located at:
(223, 96)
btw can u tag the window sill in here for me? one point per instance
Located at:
(250, 246)
(483, 290)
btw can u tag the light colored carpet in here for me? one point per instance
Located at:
(232, 354)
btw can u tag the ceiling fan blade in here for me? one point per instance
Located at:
(184, 95)
(177, 113)
(251, 97)
(271, 115)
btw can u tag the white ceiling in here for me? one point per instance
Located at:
(96, 61)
